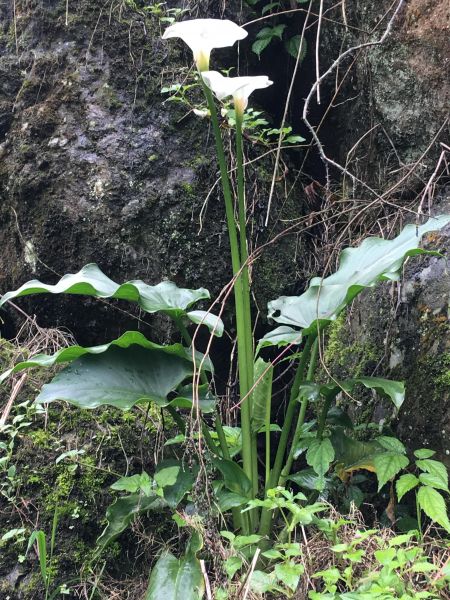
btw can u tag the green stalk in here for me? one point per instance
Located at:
(220, 433)
(248, 335)
(244, 382)
(301, 417)
(323, 417)
(266, 515)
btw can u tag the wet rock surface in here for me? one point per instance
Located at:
(97, 165)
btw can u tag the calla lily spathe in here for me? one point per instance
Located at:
(203, 35)
(239, 88)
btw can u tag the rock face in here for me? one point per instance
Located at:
(391, 133)
(400, 90)
(98, 166)
(401, 331)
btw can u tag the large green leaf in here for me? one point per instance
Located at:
(164, 297)
(123, 511)
(262, 394)
(120, 377)
(177, 579)
(374, 260)
(124, 341)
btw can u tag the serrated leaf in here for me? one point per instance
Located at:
(259, 45)
(232, 565)
(433, 505)
(434, 467)
(320, 454)
(262, 394)
(387, 465)
(361, 267)
(391, 443)
(423, 567)
(424, 453)
(288, 573)
(269, 7)
(164, 297)
(119, 377)
(433, 481)
(404, 484)
(292, 46)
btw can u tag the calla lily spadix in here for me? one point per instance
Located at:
(203, 35)
(239, 88)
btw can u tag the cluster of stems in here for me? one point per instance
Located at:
(279, 472)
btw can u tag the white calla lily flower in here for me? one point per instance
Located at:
(239, 88)
(203, 35)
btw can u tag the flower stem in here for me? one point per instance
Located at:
(248, 333)
(301, 417)
(245, 383)
(266, 515)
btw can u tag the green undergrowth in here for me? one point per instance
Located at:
(63, 459)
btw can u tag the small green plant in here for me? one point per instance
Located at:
(428, 481)
(373, 567)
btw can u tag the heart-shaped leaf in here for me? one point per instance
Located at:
(395, 390)
(234, 477)
(361, 267)
(120, 377)
(186, 399)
